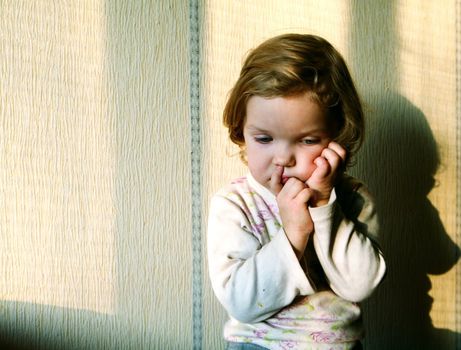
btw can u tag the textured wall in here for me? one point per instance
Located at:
(97, 245)
(95, 207)
(403, 57)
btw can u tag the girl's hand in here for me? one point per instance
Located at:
(329, 166)
(292, 199)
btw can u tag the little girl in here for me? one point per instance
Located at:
(292, 246)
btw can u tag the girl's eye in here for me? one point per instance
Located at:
(310, 141)
(263, 139)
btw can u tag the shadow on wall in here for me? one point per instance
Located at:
(30, 326)
(399, 162)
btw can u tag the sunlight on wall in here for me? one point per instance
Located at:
(427, 77)
(95, 187)
(57, 157)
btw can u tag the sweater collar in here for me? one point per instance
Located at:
(260, 189)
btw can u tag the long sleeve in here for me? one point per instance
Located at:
(272, 298)
(345, 240)
(252, 276)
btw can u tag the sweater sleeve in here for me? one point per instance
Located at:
(346, 245)
(251, 280)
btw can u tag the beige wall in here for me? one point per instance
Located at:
(403, 57)
(95, 208)
(95, 193)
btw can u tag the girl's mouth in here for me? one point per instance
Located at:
(284, 179)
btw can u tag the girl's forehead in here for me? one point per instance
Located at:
(290, 115)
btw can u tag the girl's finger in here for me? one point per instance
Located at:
(305, 195)
(333, 158)
(338, 149)
(275, 183)
(323, 168)
(292, 188)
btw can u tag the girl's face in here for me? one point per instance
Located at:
(287, 131)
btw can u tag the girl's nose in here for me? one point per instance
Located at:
(284, 157)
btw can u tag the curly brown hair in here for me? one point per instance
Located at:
(292, 64)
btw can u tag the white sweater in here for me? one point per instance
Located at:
(273, 299)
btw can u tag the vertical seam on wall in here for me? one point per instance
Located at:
(194, 52)
(458, 167)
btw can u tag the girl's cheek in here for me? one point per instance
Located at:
(306, 169)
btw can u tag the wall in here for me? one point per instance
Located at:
(403, 57)
(95, 208)
(101, 244)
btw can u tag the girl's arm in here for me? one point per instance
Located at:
(346, 244)
(251, 280)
